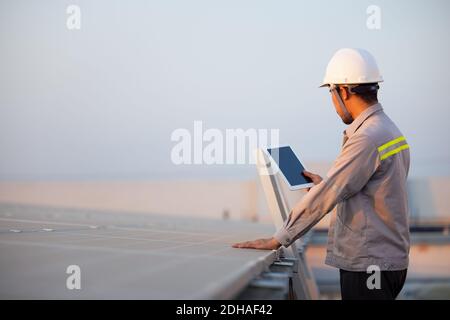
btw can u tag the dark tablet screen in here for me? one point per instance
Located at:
(289, 165)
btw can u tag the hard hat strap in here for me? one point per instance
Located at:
(333, 88)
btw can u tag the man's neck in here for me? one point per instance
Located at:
(360, 107)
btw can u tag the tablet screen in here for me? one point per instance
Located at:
(289, 165)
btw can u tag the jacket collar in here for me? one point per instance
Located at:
(351, 129)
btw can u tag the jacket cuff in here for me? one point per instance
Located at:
(283, 237)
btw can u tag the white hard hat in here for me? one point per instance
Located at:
(352, 66)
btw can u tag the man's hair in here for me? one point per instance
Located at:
(368, 92)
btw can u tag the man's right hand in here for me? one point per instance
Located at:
(316, 179)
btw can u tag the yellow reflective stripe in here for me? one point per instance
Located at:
(392, 152)
(391, 143)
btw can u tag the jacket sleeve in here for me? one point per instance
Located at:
(351, 171)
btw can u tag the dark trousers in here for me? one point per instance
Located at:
(354, 285)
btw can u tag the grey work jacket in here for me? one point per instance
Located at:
(366, 189)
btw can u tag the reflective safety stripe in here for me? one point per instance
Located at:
(392, 152)
(391, 143)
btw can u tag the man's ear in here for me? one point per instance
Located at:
(344, 93)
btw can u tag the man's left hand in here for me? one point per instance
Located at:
(262, 244)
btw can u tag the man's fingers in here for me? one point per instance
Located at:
(247, 244)
(241, 245)
(311, 175)
(238, 245)
(261, 244)
(316, 179)
(307, 173)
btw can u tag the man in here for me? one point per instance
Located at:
(365, 188)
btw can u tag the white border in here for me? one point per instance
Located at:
(274, 163)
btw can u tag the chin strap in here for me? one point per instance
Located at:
(347, 114)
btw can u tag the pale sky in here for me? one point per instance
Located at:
(102, 102)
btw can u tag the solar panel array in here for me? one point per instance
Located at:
(123, 255)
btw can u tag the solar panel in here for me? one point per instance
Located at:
(124, 255)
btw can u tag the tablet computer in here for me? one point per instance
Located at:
(290, 166)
